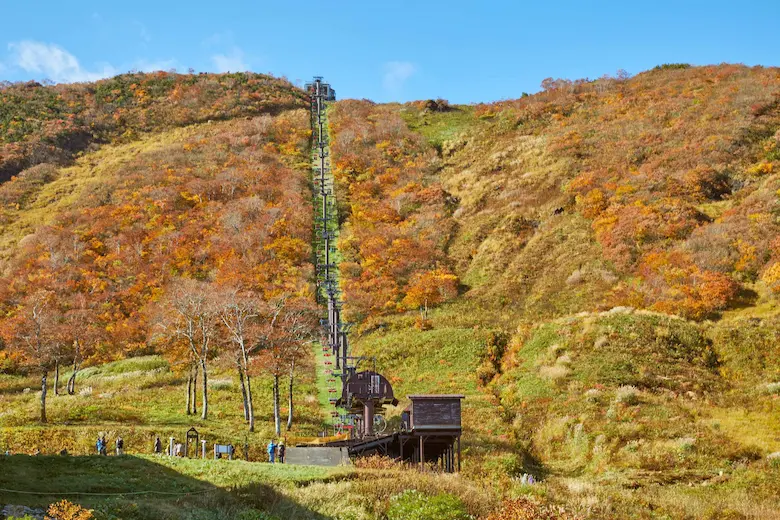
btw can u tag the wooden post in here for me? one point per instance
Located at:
(422, 453)
(452, 456)
(171, 442)
(203, 449)
(458, 453)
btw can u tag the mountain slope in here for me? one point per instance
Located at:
(658, 193)
(52, 123)
(91, 252)
(595, 267)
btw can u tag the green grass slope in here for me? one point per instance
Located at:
(140, 398)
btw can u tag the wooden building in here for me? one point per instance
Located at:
(430, 433)
(433, 430)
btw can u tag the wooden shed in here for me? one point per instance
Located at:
(435, 412)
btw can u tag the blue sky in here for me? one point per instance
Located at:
(465, 51)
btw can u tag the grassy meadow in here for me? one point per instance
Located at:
(139, 398)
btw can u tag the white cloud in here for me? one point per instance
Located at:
(233, 61)
(396, 73)
(53, 62)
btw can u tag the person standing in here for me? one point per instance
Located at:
(271, 451)
(282, 451)
(99, 445)
(103, 446)
(120, 446)
(157, 445)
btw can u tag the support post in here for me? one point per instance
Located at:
(422, 453)
(334, 327)
(171, 442)
(452, 458)
(458, 453)
(344, 349)
(203, 449)
(368, 418)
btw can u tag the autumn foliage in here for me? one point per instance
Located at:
(65, 510)
(675, 169)
(397, 214)
(49, 124)
(225, 206)
(528, 509)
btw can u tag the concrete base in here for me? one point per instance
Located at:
(316, 456)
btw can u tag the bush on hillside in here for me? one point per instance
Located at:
(672, 66)
(377, 462)
(526, 509)
(496, 347)
(749, 349)
(628, 395)
(65, 510)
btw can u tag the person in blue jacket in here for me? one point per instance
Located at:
(271, 451)
(99, 446)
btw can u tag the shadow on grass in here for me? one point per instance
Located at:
(135, 488)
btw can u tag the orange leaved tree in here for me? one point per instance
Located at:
(430, 288)
(31, 330)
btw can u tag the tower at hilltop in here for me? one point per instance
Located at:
(318, 88)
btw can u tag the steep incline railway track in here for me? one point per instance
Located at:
(431, 426)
